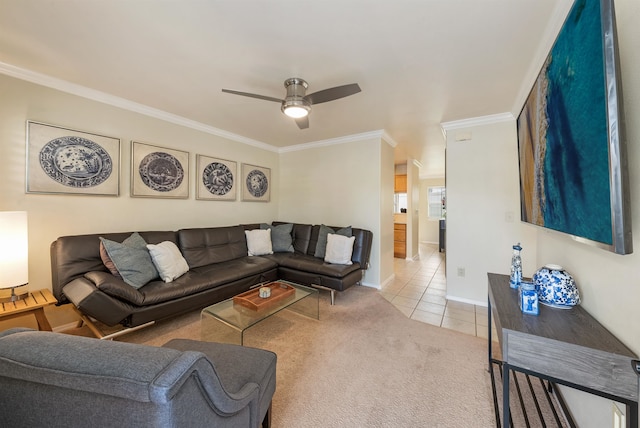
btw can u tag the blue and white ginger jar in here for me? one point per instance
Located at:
(556, 287)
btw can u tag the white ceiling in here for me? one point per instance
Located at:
(419, 62)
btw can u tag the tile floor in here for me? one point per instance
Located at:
(419, 290)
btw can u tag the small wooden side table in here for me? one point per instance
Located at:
(34, 304)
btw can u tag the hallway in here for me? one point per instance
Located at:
(419, 291)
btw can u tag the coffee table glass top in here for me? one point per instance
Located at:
(227, 321)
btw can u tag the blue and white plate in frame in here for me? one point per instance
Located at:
(161, 171)
(217, 178)
(257, 183)
(76, 162)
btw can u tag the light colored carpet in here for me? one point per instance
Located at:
(363, 364)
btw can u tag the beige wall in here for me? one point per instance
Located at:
(483, 208)
(342, 185)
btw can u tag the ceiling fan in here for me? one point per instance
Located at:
(298, 105)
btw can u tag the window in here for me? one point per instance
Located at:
(437, 198)
(400, 202)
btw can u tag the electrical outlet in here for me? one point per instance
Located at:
(461, 272)
(618, 418)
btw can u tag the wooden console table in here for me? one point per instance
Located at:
(565, 346)
(34, 304)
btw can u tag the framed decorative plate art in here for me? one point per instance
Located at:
(64, 161)
(256, 183)
(158, 172)
(216, 179)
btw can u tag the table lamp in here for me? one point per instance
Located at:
(14, 256)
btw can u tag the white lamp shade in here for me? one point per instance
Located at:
(14, 249)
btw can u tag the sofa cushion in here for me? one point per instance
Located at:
(108, 262)
(232, 270)
(321, 246)
(204, 246)
(301, 234)
(258, 242)
(194, 281)
(339, 249)
(312, 264)
(168, 261)
(281, 238)
(152, 293)
(115, 287)
(132, 259)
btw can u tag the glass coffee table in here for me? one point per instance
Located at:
(227, 321)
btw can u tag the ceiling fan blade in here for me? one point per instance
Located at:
(260, 97)
(333, 93)
(303, 122)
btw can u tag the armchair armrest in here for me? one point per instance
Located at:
(195, 365)
(244, 373)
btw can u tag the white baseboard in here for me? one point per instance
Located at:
(377, 287)
(389, 280)
(470, 301)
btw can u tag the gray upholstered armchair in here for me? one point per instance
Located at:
(51, 379)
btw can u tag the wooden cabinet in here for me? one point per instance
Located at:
(400, 240)
(400, 185)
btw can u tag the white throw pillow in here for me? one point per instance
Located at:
(339, 249)
(259, 242)
(168, 260)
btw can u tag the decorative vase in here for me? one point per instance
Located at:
(556, 287)
(528, 298)
(516, 267)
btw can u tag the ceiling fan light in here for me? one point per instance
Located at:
(296, 112)
(296, 107)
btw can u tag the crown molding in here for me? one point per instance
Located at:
(476, 121)
(102, 97)
(431, 176)
(339, 140)
(390, 141)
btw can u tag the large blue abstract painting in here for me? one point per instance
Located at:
(564, 135)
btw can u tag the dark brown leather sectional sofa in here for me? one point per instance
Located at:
(219, 268)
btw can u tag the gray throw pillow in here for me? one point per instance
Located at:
(321, 246)
(281, 239)
(132, 259)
